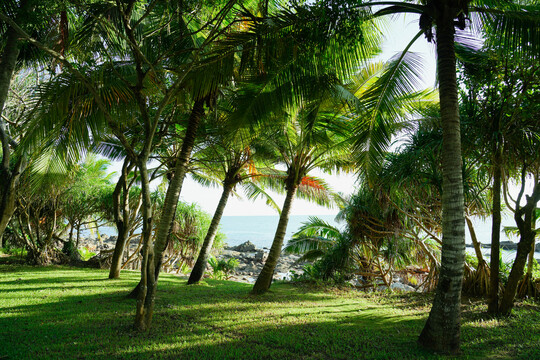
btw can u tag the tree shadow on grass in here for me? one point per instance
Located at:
(216, 320)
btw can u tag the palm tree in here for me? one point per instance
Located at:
(231, 158)
(308, 138)
(442, 329)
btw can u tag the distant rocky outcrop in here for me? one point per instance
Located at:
(506, 245)
(252, 259)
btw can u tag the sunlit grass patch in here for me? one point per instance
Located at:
(59, 312)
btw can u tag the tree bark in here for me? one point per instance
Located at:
(122, 220)
(494, 280)
(144, 311)
(200, 265)
(9, 183)
(152, 260)
(442, 329)
(524, 220)
(264, 280)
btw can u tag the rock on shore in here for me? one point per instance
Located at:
(252, 259)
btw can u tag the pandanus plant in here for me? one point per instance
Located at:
(517, 25)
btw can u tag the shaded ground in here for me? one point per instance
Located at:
(67, 313)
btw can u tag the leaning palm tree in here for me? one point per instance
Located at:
(380, 96)
(518, 23)
(309, 138)
(230, 159)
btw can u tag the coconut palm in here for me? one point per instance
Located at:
(516, 23)
(231, 160)
(308, 138)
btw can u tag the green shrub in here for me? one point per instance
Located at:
(85, 253)
(222, 269)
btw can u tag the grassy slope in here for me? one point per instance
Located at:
(66, 313)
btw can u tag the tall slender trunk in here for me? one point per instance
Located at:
(442, 329)
(144, 312)
(494, 280)
(71, 228)
(121, 219)
(264, 280)
(152, 260)
(8, 178)
(524, 220)
(200, 265)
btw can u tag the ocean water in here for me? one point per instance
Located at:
(260, 231)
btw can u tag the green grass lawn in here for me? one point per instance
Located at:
(68, 313)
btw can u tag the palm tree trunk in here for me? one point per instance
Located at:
(524, 220)
(200, 265)
(122, 219)
(146, 290)
(267, 273)
(494, 280)
(442, 329)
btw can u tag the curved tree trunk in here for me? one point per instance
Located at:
(146, 290)
(121, 241)
(524, 220)
(264, 280)
(122, 220)
(200, 265)
(474, 239)
(493, 301)
(144, 311)
(442, 329)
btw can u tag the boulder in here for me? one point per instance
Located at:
(402, 287)
(230, 253)
(261, 256)
(248, 246)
